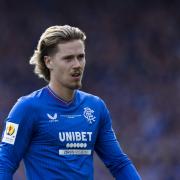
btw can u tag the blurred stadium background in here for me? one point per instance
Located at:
(133, 63)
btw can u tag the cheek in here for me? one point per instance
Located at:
(59, 71)
(83, 64)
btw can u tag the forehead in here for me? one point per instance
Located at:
(71, 47)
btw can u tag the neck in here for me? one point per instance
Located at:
(62, 92)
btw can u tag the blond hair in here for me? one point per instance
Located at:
(47, 45)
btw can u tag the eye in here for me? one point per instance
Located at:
(81, 56)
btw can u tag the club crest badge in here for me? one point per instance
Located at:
(89, 115)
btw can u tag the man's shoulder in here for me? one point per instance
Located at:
(25, 104)
(31, 98)
(88, 96)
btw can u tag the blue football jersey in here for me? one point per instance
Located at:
(57, 139)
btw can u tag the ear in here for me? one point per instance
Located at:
(48, 62)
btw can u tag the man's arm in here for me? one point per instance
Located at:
(110, 152)
(15, 139)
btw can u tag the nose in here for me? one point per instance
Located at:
(77, 63)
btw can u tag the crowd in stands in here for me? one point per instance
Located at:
(133, 63)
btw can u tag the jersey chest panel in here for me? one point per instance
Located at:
(68, 130)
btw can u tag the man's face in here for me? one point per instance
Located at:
(67, 65)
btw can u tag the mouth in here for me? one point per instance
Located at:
(76, 74)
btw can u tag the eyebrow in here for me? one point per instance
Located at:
(67, 56)
(71, 56)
